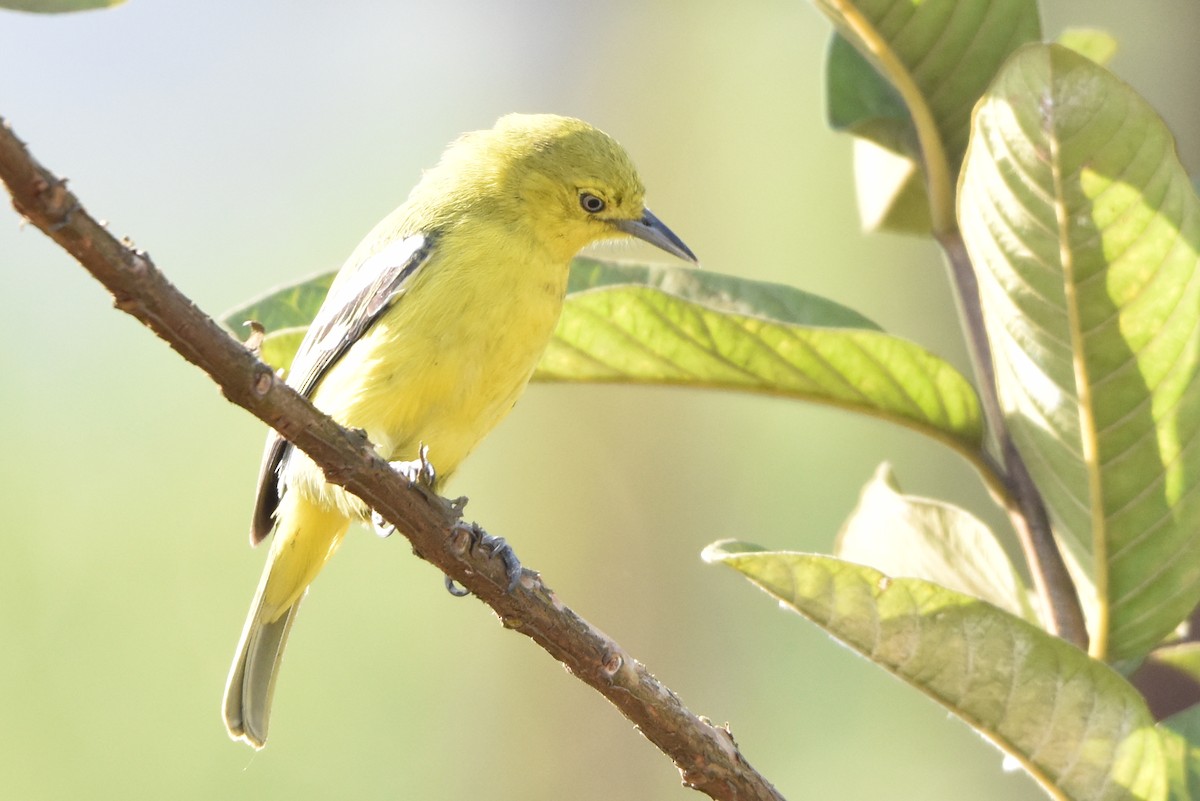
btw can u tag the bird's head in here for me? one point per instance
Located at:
(572, 184)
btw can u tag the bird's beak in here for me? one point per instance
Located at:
(651, 229)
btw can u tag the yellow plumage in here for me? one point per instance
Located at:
(428, 336)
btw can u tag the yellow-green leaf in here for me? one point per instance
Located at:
(1100, 46)
(910, 537)
(1075, 724)
(1181, 745)
(642, 335)
(1085, 231)
(938, 56)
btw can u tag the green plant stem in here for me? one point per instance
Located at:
(1019, 495)
(1022, 500)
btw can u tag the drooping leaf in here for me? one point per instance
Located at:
(1076, 725)
(626, 323)
(909, 537)
(637, 334)
(938, 56)
(1085, 231)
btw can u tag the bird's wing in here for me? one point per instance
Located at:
(356, 300)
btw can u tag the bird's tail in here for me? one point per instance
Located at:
(306, 535)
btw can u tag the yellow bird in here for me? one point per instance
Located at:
(429, 334)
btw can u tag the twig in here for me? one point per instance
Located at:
(1023, 502)
(706, 755)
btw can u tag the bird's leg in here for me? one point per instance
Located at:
(418, 471)
(497, 548)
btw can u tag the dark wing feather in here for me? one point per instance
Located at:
(355, 302)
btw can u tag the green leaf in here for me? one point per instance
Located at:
(910, 537)
(939, 56)
(859, 101)
(890, 188)
(1079, 728)
(1100, 46)
(950, 50)
(1085, 231)
(279, 348)
(625, 323)
(889, 185)
(642, 335)
(1181, 745)
(57, 6)
(722, 292)
(285, 313)
(288, 306)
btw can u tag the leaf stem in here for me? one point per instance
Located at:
(1020, 496)
(1022, 500)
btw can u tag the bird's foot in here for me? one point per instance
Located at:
(497, 548)
(418, 471)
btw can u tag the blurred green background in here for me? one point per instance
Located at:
(246, 144)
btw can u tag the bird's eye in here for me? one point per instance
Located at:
(590, 203)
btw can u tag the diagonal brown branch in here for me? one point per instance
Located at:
(706, 755)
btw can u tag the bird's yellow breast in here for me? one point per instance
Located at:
(448, 360)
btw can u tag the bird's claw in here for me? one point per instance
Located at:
(455, 590)
(419, 470)
(381, 527)
(497, 548)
